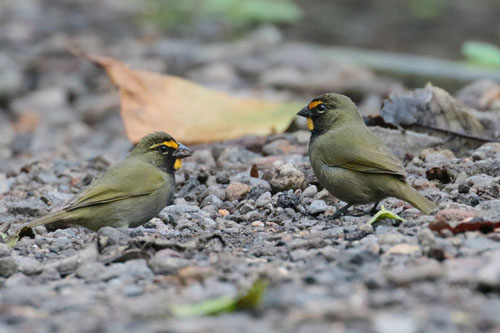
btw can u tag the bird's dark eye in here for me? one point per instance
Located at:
(163, 149)
(321, 108)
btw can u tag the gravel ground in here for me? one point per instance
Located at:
(60, 129)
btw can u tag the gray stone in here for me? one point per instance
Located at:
(259, 183)
(29, 265)
(309, 192)
(59, 244)
(40, 230)
(211, 199)
(393, 238)
(49, 273)
(133, 290)
(490, 149)
(263, 200)
(29, 207)
(235, 158)
(281, 147)
(489, 209)
(4, 184)
(426, 237)
(209, 209)
(46, 177)
(4, 250)
(8, 266)
(91, 271)
(317, 207)
(203, 157)
(246, 206)
(287, 176)
(479, 180)
(302, 254)
(427, 271)
(218, 191)
(475, 245)
(179, 210)
(489, 275)
(395, 322)
(167, 265)
(322, 195)
(130, 271)
(11, 79)
(209, 223)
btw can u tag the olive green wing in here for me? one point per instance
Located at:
(360, 151)
(130, 178)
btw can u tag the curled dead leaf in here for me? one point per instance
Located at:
(435, 111)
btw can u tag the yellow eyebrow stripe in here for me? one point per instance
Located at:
(314, 104)
(171, 144)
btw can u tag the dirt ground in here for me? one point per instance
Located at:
(60, 128)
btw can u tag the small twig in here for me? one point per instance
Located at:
(463, 135)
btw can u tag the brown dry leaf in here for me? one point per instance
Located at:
(189, 112)
(476, 224)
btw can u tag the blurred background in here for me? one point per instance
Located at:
(53, 101)
(427, 27)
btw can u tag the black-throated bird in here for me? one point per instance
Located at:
(129, 193)
(350, 161)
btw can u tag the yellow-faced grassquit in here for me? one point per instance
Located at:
(130, 193)
(350, 161)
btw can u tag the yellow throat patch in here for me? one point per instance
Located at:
(171, 144)
(310, 124)
(177, 164)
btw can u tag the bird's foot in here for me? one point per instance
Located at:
(373, 211)
(341, 211)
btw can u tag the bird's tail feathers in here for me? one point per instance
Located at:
(418, 200)
(59, 216)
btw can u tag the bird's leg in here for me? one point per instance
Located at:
(341, 211)
(373, 211)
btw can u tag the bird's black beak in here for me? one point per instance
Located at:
(305, 112)
(182, 151)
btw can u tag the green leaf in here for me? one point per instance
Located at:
(384, 214)
(209, 307)
(253, 297)
(12, 241)
(277, 11)
(481, 53)
(248, 301)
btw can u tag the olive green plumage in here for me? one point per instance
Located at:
(130, 193)
(350, 161)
